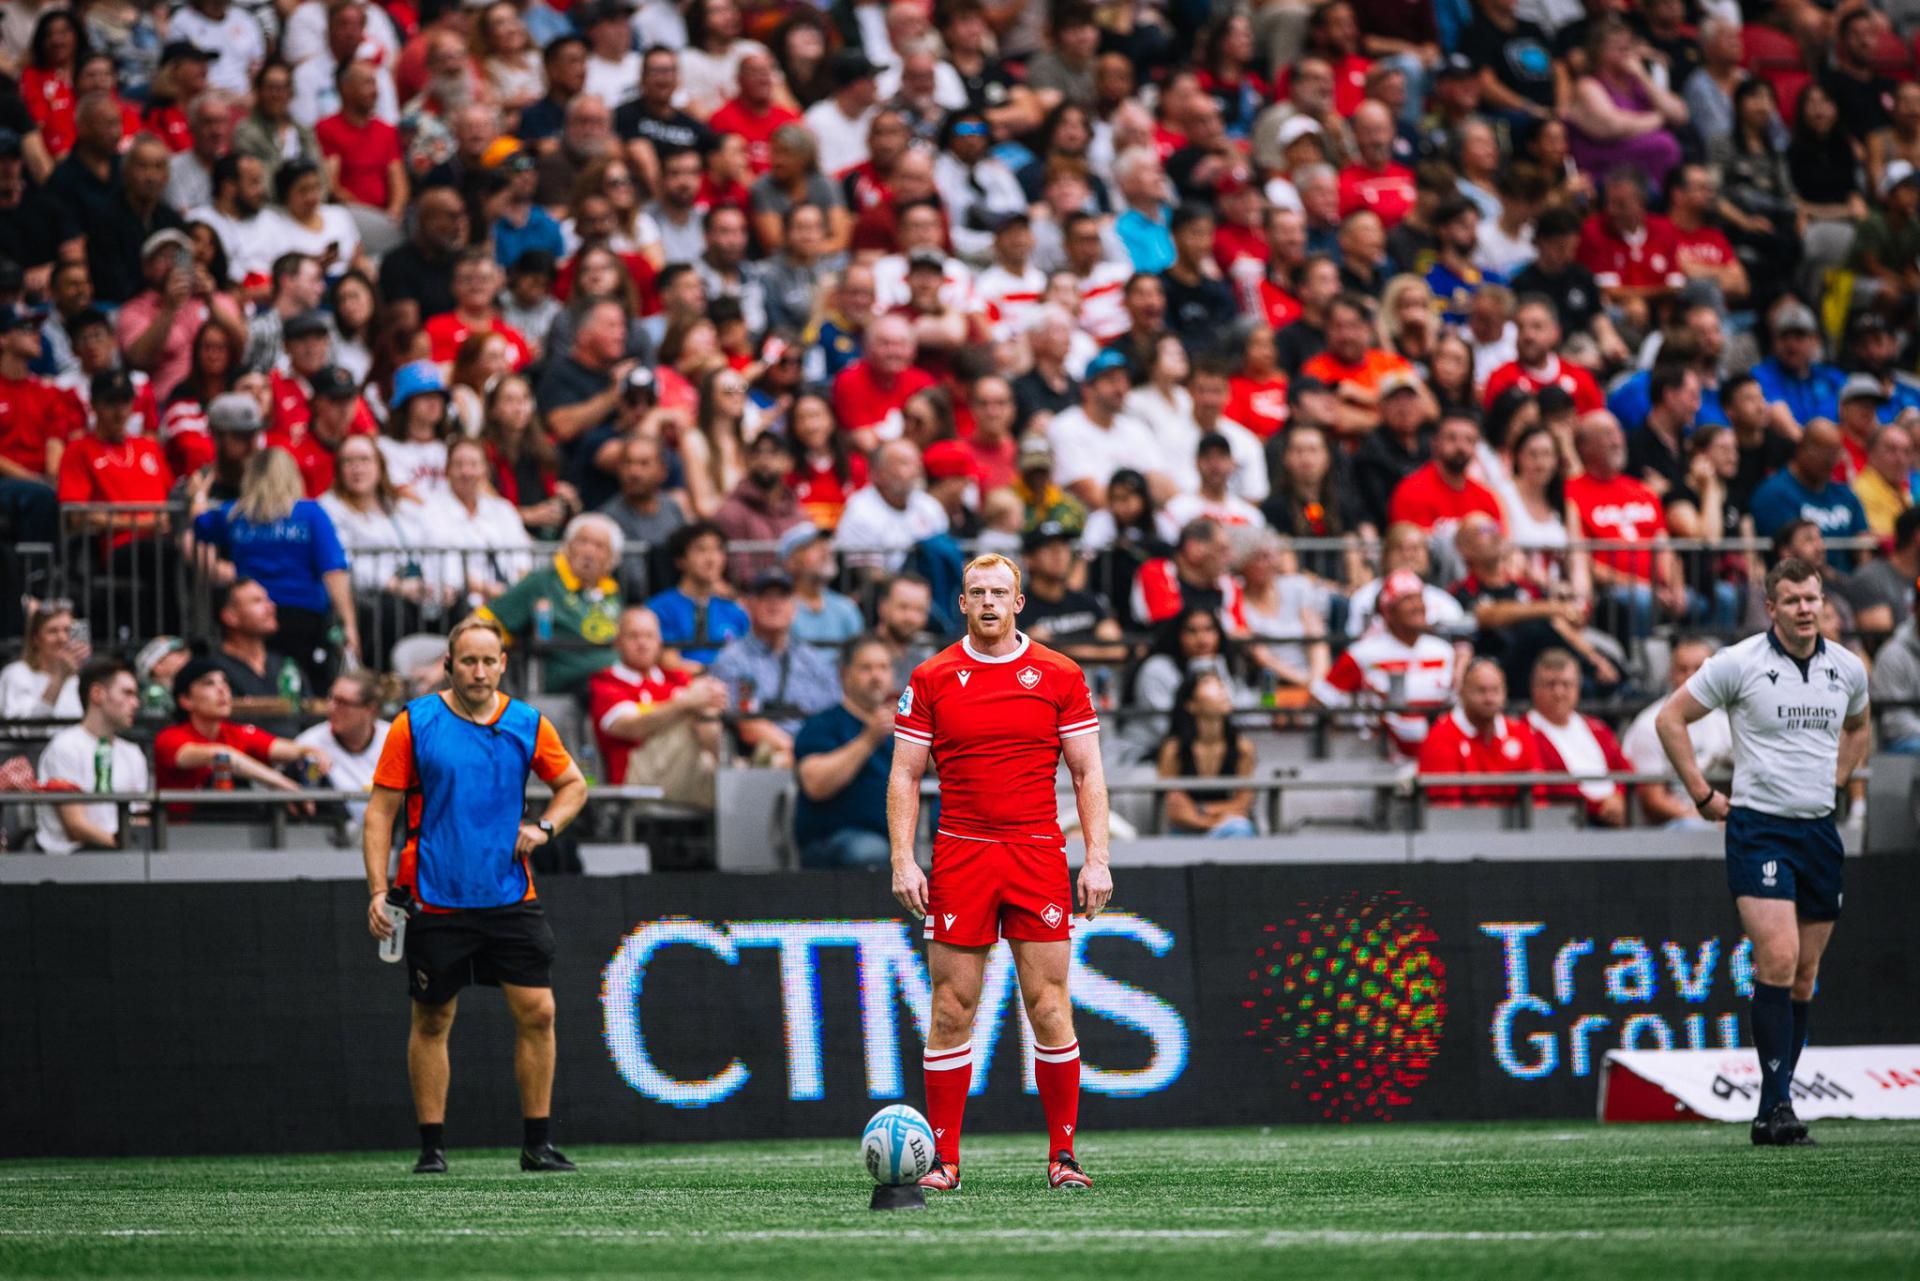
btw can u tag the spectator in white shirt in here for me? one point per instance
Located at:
(482, 530)
(1712, 736)
(316, 87)
(1092, 442)
(236, 212)
(231, 34)
(40, 684)
(74, 757)
(840, 120)
(882, 522)
(352, 735)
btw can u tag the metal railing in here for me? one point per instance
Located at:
(277, 808)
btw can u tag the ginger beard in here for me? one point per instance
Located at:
(990, 601)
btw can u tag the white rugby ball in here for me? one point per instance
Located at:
(897, 1147)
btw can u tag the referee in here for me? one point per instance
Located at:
(1798, 707)
(459, 759)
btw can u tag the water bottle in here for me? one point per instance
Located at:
(543, 621)
(222, 771)
(290, 682)
(156, 699)
(1269, 689)
(394, 946)
(103, 766)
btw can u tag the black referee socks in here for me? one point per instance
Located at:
(1773, 1038)
(433, 1138)
(538, 1132)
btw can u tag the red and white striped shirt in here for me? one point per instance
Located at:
(1370, 665)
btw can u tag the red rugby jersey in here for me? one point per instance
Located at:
(995, 726)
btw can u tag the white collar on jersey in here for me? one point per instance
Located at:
(966, 643)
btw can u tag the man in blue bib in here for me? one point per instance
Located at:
(459, 759)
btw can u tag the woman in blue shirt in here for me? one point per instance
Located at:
(288, 544)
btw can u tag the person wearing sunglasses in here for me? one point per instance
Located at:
(351, 736)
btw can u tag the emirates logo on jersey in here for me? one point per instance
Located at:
(1028, 677)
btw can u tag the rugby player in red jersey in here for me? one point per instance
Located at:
(996, 712)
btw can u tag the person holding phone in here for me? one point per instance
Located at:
(156, 327)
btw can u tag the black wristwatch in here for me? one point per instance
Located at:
(546, 827)
(1707, 799)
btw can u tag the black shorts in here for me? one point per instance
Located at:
(1769, 856)
(448, 950)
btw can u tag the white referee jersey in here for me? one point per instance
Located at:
(1786, 720)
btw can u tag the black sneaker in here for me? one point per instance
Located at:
(432, 1161)
(545, 1159)
(1792, 1129)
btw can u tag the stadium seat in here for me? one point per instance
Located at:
(1763, 49)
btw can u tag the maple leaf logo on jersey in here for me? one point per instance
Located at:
(1028, 677)
(1051, 916)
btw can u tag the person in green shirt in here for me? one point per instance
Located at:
(1887, 243)
(582, 602)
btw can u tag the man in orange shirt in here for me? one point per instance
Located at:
(1354, 367)
(1476, 737)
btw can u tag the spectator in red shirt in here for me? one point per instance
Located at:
(307, 340)
(655, 725)
(1603, 504)
(754, 114)
(1537, 362)
(107, 465)
(36, 420)
(335, 410)
(1576, 744)
(476, 284)
(1373, 181)
(1703, 252)
(182, 78)
(869, 394)
(1633, 255)
(1476, 737)
(204, 751)
(1439, 494)
(365, 168)
(1333, 35)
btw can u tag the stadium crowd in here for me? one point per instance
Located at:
(1446, 365)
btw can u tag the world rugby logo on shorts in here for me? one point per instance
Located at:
(1028, 677)
(1769, 870)
(1052, 915)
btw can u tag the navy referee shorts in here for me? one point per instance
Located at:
(1791, 858)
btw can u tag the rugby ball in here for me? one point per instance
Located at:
(897, 1147)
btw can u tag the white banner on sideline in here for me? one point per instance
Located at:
(1872, 1082)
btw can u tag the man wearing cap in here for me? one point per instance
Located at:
(1213, 498)
(235, 422)
(761, 508)
(821, 616)
(156, 327)
(1873, 348)
(940, 327)
(308, 339)
(1398, 664)
(1885, 235)
(365, 168)
(334, 412)
(1794, 376)
(1861, 398)
(110, 464)
(232, 33)
(202, 743)
(182, 78)
(1098, 438)
(1080, 624)
(1044, 500)
(36, 420)
(772, 682)
(840, 120)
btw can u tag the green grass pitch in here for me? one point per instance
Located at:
(1391, 1201)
